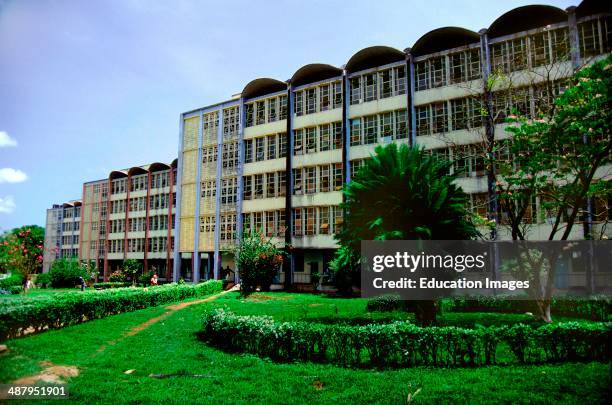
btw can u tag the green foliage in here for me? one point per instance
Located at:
(345, 270)
(117, 277)
(43, 280)
(16, 317)
(15, 279)
(65, 273)
(111, 284)
(15, 289)
(385, 303)
(401, 344)
(132, 268)
(21, 250)
(258, 260)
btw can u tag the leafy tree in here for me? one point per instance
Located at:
(258, 260)
(404, 193)
(65, 272)
(557, 158)
(132, 268)
(21, 250)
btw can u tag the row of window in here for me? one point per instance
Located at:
(318, 98)
(227, 227)
(265, 111)
(378, 85)
(68, 213)
(265, 148)
(317, 179)
(70, 240)
(70, 226)
(317, 139)
(264, 185)
(156, 201)
(156, 223)
(373, 129)
(67, 253)
(308, 221)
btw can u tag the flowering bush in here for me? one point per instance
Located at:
(258, 261)
(22, 250)
(117, 277)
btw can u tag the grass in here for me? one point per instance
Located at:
(206, 375)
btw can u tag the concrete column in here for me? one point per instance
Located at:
(217, 253)
(176, 256)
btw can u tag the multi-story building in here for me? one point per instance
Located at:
(62, 232)
(129, 215)
(274, 157)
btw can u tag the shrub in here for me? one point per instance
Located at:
(110, 284)
(15, 279)
(43, 280)
(15, 289)
(58, 311)
(385, 303)
(117, 277)
(258, 261)
(66, 272)
(345, 270)
(402, 344)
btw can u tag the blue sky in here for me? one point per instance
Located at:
(91, 86)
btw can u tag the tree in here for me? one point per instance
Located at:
(132, 268)
(404, 193)
(258, 260)
(21, 250)
(562, 158)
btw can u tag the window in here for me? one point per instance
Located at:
(260, 107)
(272, 109)
(297, 181)
(422, 118)
(297, 222)
(248, 111)
(324, 178)
(369, 129)
(271, 146)
(258, 222)
(464, 66)
(466, 113)
(298, 142)
(209, 154)
(324, 100)
(248, 151)
(588, 33)
(208, 189)
(401, 124)
(560, 44)
(439, 118)
(337, 212)
(355, 84)
(310, 220)
(355, 131)
(311, 100)
(282, 100)
(282, 145)
(337, 135)
(370, 86)
(230, 155)
(228, 191)
(311, 140)
(258, 186)
(539, 49)
(259, 149)
(311, 179)
(271, 229)
(299, 103)
(386, 125)
(324, 220)
(337, 87)
(421, 76)
(324, 137)
(230, 122)
(282, 183)
(280, 222)
(438, 71)
(400, 79)
(338, 178)
(270, 185)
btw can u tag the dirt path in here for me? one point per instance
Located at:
(56, 374)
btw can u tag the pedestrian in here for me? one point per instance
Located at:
(82, 283)
(154, 279)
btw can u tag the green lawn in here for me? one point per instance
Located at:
(206, 375)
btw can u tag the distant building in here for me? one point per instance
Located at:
(62, 232)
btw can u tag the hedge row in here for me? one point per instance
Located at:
(596, 308)
(401, 344)
(18, 317)
(111, 284)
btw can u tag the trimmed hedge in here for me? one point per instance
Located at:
(13, 280)
(111, 284)
(20, 316)
(595, 308)
(401, 344)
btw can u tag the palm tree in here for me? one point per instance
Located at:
(403, 193)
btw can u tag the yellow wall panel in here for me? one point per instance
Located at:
(188, 200)
(186, 239)
(189, 166)
(190, 133)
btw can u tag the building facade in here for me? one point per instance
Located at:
(274, 158)
(62, 232)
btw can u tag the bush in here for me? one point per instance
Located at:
(345, 270)
(385, 303)
(15, 289)
(65, 273)
(58, 311)
(117, 277)
(111, 284)
(43, 280)
(15, 279)
(258, 261)
(402, 344)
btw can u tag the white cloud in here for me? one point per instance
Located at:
(9, 175)
(7, 204)
(6, 140)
